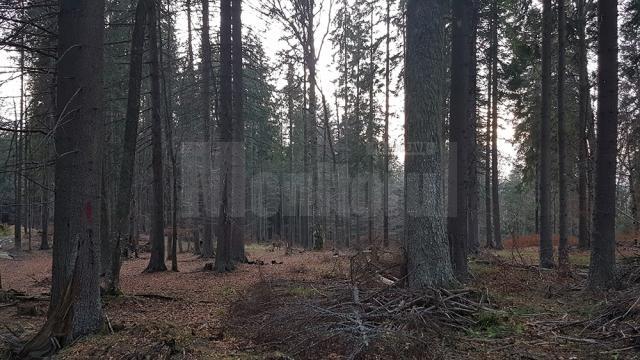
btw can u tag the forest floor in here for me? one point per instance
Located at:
(250, 313)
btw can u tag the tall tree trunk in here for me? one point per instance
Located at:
(603, 250)
(127, 162)
(428, 260)
(487, 160)
(563, 247)
(166, 91)
(312, 137)
(76, 251)
(156, 262)
(546, 229)
(473, 240)
(583, 113)
(371, 145)
(20, 138)
(44, 219)
(238, 206)
(206, 68)
(224, 260)
(459, 137)
(387, 83)
(495, 179)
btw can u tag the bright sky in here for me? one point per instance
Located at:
(271, 32)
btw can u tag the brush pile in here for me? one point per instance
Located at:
(368, 314)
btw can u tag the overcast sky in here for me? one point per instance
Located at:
(271, 32)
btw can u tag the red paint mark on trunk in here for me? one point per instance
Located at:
(88, 210)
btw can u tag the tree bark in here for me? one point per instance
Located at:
(206, 68)
(387, 83)
(583, 113)
(224, 260)
(563, 247)
(238, 176)
(473, 240)
(603, 250)
(495, 178)
(156, 262)
(459, 137)
(546, 229)
(127, 162)
(427, 248)
(487, 163)
(76, 251)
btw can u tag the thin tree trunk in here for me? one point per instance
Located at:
(487, 162)
(387, 82)
(473, 240)
(563, 248)
(603, 250)
(546, 229)
(127, 162)
(495, 179)
(206, 68)
(583, 113)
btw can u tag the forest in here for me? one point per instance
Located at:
(320, 179)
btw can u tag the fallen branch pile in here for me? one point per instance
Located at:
(348, 320)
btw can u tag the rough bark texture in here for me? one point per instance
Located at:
(602, 265)
(156, 262)
(546, 244)
(387, 83)
(459, 137)
(427, 248)
(128, 159)
(584, 234)
(239, 183)
(473, 240)
(495, 178)
(487, 163)
(563, 247)
(224, 261)
(78, 171)
(207, 240)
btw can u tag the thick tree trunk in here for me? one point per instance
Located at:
(459, 137)
(127, 162)
(584, 233)
(603, 250)
(76, 248)
(224, 261)
(427, 248)
(546, 229)
(238, 206)
(563, 247)
(156, 262)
